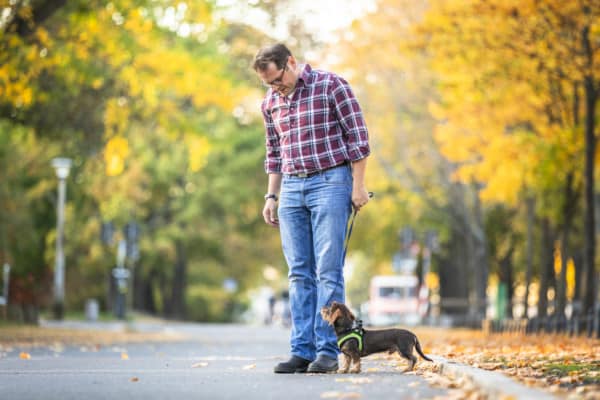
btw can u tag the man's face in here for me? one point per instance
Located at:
(282, 81)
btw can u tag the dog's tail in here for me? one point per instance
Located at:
(418, 347)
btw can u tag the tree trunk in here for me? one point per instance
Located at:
(589, 280)
(546, 269)
(530, 204)
(144, 294)
(178, 309)
(506, 277)
(480, 256)
(569, 207)
(577, 302)
(454, 276)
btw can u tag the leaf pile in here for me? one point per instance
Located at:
(557, 363)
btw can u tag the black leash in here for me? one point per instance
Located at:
(352, 218)
(371, 194)
(348, 234)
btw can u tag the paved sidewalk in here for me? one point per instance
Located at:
(214, 361)
(225, 357)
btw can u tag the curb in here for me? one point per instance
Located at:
(494, 384)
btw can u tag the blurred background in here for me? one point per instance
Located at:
(132, 147)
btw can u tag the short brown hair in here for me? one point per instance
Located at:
(277, 53)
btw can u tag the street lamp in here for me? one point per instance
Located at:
(62, 167)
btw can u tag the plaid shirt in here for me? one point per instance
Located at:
(321, 126)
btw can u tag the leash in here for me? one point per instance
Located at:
(352, 218)
(347, 241)
(348, 234)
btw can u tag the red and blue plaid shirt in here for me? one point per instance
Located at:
(319, 127)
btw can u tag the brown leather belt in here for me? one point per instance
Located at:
(309, 174)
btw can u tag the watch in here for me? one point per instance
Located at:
(271, 196)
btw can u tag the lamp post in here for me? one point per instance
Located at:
(62, 167)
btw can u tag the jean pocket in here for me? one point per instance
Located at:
(337, 176)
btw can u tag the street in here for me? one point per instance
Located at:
(212, 362)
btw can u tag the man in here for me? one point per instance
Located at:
(316, 149)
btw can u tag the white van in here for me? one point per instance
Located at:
(393, 300)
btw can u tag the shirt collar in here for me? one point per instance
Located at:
(305, 78)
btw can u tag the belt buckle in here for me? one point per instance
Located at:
(302, 175)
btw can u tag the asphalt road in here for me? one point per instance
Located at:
(214, 362)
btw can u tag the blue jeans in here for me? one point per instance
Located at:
(313, 216)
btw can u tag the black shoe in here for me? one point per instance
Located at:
(323, 364)
(294, 364)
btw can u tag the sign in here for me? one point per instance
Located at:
(404, 265)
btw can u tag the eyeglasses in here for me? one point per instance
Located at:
(277, 81)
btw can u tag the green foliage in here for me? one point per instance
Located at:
(152, 108)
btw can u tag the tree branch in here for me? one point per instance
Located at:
(41, 11)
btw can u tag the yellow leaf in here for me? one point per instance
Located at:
(124, 356)
(340, 395)
(200, 365)
(25, 356)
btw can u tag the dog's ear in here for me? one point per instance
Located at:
(335, 315)
(349, 313)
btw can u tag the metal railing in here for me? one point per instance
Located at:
(577, 325)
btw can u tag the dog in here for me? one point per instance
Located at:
(357, 342)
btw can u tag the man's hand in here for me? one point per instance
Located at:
(360, 197)
(270, 213)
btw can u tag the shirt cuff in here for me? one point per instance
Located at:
(272, 166)
(359, 152)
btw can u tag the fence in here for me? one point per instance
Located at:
(578, 325)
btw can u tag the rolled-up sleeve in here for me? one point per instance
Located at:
(273, 156)
(351, 119)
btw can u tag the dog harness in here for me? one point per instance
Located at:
(355, 333)
(351, 335)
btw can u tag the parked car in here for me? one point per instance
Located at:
(393, 300)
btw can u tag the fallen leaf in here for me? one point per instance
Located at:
(25, 356)
(134, 379)
(355, 380)
(251, 366)
(200, 365)
(340, 395)
(124, 356)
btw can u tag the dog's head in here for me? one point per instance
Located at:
(338, 315)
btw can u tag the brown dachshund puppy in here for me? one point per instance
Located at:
(356, 343)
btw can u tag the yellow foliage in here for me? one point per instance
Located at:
(432, 280)
(503, 84)
(199, 148)
(570, 279)
(115, 153)
(557, 258)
